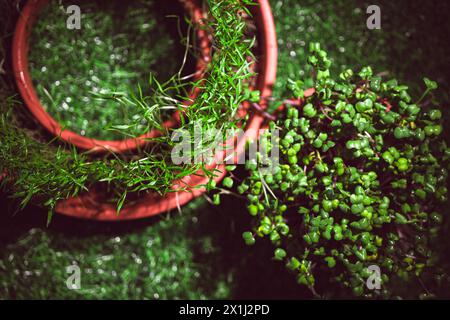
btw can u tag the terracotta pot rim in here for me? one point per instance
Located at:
(26, 88)
(88, 206)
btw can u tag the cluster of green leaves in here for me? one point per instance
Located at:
(361, 180)
(40, 171)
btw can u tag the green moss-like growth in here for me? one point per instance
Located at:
(167, 258)
(116, 49)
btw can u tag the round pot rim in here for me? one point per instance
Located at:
(92, 206)
(28, 92)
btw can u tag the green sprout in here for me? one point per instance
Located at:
(45, 172)
(361, 181)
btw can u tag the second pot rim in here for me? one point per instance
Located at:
(28, 92)
(88, 206)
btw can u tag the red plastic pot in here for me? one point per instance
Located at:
(25, 85)
(92, 205)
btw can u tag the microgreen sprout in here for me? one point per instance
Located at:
(361, 181)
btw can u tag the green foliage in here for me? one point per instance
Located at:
(109, 53)
(41, 172)
(340, 26)
(361, 181)
(168, 258)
